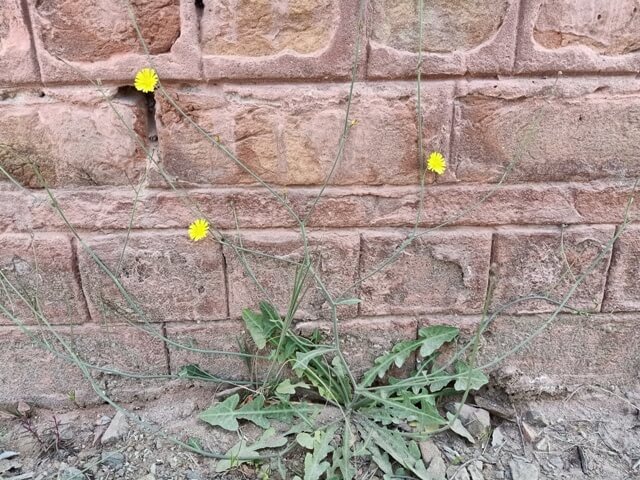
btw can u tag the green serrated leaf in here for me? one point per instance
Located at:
(405, 411)
(269, 311)
(380, 458)
(194, 372)
(398, 355)
(398, 448)
(256, 326)
(469, 378)
(222, 414)
(434, 337)
(315, 463)
(226, 415)
(242, 452)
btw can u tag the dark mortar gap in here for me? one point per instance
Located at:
(199, 4)
(226, 281)
(167, 352)
(152, 130)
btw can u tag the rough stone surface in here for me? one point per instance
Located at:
(443, 271)
(599, 349)
(458, 37)
(340, 207)
(17, 59)
(97, 39)
(573, 35)
(195, 344)
(254, 29)
(559, 133)
(42, 378)
(40, 277)
(548, 263)
(116, 430)
(271, 39)
(290, 136)
(605, 27)
(102, 29)
(433, 459)
(334, 257)
(169, 277)
(623, 289)
(448, 26)
(521, 470)
(72, 141)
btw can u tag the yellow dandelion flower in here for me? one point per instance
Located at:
(146, 80)
(199, 229)
(436, 163)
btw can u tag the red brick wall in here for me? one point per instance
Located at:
(552, 83)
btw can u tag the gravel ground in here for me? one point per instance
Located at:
(585, 433)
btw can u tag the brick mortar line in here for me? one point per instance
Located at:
(392, 229)
(165, 346)
(226, 281)
(363, 189)
(520, 32)
(426, 78)
(464, 319)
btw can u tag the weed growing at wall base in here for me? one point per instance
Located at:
(302, 392)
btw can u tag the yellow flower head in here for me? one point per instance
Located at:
(436, 163)
(198, 229)
(146, 80)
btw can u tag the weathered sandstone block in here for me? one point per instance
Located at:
(334, 257)
(556, 132)
(17, 59)
(290, 135)
(440, 271)
(97, 39)
(580, 35)
(73, 140)
(169, 277)
(273, 39)
(623, 288)
(458, 37)
(548, 262)
(42, 270)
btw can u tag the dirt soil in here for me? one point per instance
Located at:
(585, 433)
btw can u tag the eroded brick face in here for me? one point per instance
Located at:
(548, 263)
(72, 141)
(448, 25)
(93, 30)
(290, 136)
(608, 28)
(436, 272)
(257, 28)
(165, 276)
(623, 288)
(548, 138)
(273, 257)
(39, 283)
(17, 59)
